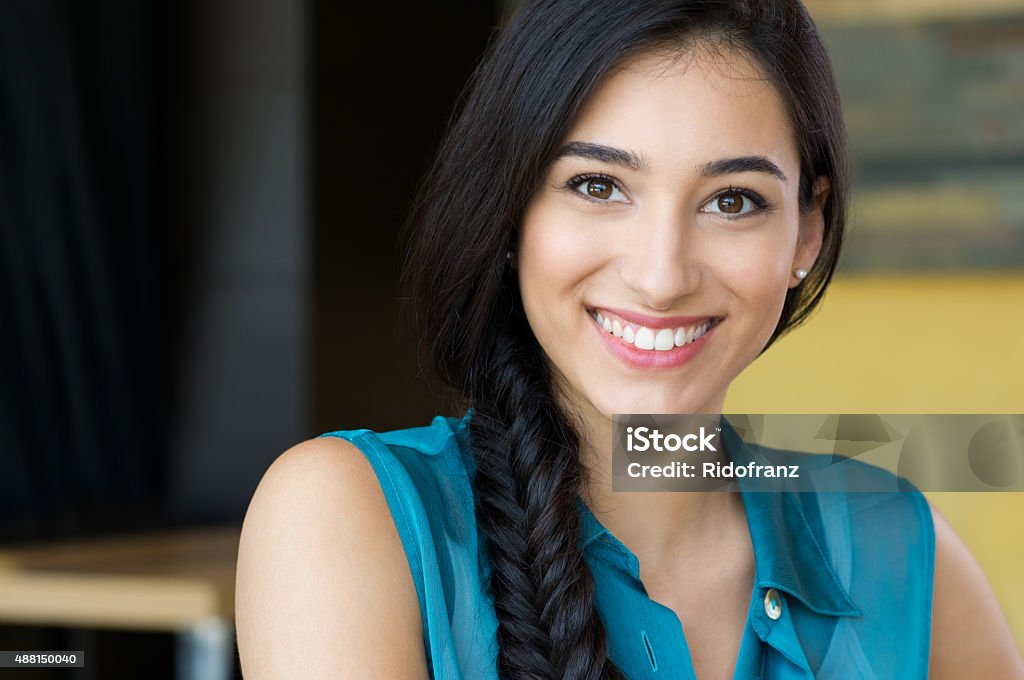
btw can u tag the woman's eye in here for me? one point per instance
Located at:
(598, 189)
(733, 203)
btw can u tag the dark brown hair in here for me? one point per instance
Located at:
(517, 109)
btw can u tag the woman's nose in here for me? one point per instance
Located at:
(662, 262)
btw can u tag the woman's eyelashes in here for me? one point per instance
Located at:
(598, 188)
(730, 203)
(733, 203)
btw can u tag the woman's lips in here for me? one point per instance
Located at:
(656, 346)
(661, 335)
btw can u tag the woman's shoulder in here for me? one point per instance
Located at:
(417, 469)
(438, 445)
(322, 587)
(970, 637)
(424, 473)
(869, 516)
(402, 500)
(912, 576)
(845, 498)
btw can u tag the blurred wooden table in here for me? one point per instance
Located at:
(179, 582)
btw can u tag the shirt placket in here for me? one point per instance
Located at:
(783, 657)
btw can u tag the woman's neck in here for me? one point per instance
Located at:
(661, 526)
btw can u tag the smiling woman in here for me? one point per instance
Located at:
(637, 198)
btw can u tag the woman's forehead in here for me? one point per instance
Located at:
(666, 106)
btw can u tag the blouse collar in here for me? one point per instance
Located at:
(787, 551)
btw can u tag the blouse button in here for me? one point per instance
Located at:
(773, 604)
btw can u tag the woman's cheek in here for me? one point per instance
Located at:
(753, 262)
(559, 251)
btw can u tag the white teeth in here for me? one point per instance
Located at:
(644, 338)
(663, 340)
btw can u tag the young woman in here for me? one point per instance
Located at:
(638, 197)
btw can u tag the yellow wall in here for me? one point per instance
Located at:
(922, 344)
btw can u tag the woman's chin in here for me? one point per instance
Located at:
(649, 405)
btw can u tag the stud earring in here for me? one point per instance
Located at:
(800, 273)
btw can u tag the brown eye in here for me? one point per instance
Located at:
(730, 203)
(599, 188)
(735, 203)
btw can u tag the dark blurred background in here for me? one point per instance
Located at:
(199, 205)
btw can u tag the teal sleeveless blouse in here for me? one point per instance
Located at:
(843, 581)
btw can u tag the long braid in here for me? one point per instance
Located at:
(528, 477)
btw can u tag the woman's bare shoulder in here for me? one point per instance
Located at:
(970, 637)
(323, 584)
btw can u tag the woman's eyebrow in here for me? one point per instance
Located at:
(629, 159)
(727, 166)
(602, 153)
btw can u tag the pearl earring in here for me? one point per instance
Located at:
(800, 273)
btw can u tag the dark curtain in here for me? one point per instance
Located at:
(86, 308)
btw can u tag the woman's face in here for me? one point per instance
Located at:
(671, 212)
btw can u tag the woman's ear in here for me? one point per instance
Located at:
(812, 230)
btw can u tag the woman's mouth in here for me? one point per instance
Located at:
(651, 339)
